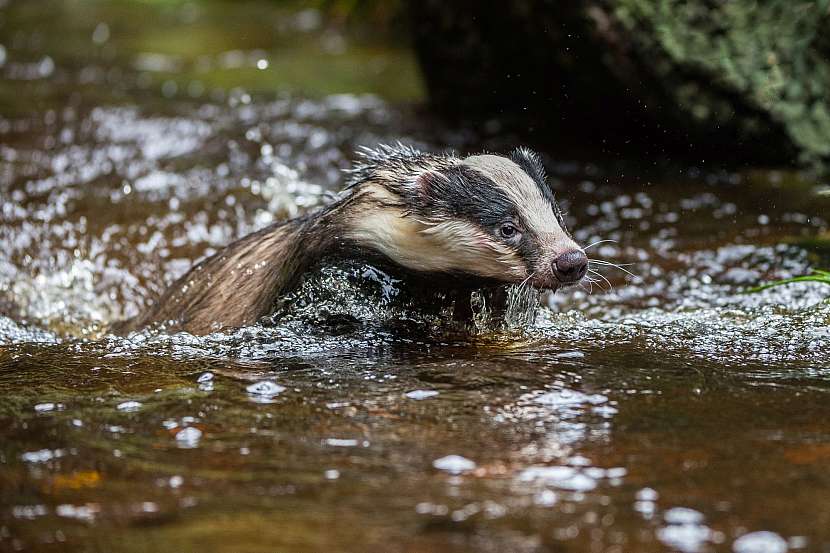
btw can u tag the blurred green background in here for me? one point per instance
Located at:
(205, 48)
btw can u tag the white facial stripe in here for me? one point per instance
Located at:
(449, 246)
(524, 193)
(470, 249)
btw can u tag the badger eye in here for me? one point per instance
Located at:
(509, 231)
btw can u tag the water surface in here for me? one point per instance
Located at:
(672, 413)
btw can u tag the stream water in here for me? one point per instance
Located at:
(665, 411)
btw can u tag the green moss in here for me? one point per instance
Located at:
(355, 60)
(767, 54)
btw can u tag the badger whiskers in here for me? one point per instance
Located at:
(598, 242)
(595, 264)
(598, 283)
(520, 288)
(591, 282)
(620, 266)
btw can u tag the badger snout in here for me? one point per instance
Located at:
(570, 267)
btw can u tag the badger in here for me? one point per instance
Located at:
(481, 219)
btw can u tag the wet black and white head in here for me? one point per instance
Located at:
(486, 215)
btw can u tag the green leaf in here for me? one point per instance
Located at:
(817, 275)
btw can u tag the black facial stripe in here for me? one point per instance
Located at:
(465, 193)
(480, 200)
(531, 164)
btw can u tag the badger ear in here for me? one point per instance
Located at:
(530, 162)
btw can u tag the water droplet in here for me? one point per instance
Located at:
(760, 542)
(682, 515)
(647, 494)
(421, 394)
(688, 538)
(264, 391)
(616, 472)
(46, 67)
(101, 34)
(42, 455)
(565, 397)
(545, 498)
(454, 464)
(205, 381)
(189, 437)
(81, 512)
(339, 442)
(565, 478)
(129, 406)
(29, 512)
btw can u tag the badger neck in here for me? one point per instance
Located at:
(260, 267)
(241, 282)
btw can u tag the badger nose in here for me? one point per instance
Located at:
(570, 266)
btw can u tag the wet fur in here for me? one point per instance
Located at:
(431, 214)
(239, 284)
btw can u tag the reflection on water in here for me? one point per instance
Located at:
(662, 410)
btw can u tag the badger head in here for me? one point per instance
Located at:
(487, 216)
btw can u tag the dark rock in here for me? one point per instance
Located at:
(732, 81)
